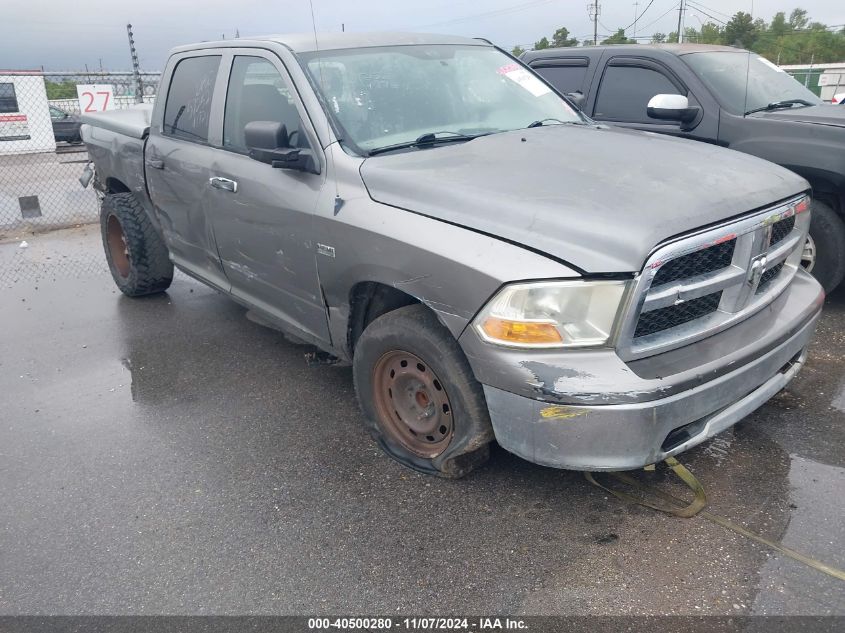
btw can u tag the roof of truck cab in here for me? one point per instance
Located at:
(672, 49)
(307, 43)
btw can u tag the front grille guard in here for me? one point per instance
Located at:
(754, 254)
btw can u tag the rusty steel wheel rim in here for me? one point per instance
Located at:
(412, 404)
(118, 248)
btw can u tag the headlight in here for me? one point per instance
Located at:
(552, 314)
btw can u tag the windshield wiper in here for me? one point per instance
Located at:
(429, 139)
(777, 105)
(557, 122)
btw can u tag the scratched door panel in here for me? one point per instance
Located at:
(263, 222)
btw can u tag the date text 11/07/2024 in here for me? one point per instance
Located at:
(418, 624)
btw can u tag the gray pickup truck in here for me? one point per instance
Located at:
(721, 95)
(491, 262)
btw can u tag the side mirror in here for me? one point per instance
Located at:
(671, 108)
(269, 142)
(577, 98)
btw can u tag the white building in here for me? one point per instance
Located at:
(25, 125)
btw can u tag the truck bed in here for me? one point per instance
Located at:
(133, 122)
(115, 142)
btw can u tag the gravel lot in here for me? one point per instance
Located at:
(167, 455)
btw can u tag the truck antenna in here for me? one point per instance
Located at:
(338, 201)
(747, 73)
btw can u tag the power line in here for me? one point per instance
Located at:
(697, 7)
(663, 15)
(640, 17)
(713, 10)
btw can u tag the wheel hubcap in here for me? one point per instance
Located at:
(808, 255)
(118, 249)
(412, 405)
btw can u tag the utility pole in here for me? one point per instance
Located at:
(636, 5)
(595, 11)
(136, 69)
(681, 22)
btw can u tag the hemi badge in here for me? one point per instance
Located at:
(323, 249)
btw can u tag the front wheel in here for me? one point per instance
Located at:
(420, 399)
(824, 251)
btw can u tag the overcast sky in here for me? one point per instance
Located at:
(67, 35)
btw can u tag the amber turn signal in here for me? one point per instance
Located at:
(520, 331)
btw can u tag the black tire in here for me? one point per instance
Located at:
(828, 233)
(136, 254)
(415, 330)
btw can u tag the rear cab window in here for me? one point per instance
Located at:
(566, 75)
(187, 112)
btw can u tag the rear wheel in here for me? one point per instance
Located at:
(136, 254)
(421, 402)
(824, 252)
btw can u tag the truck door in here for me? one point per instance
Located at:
(177, 159)
(262, 217)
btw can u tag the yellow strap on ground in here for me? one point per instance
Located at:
(686, 511)
(680, 508)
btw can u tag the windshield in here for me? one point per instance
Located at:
(385, 96)
(724, 73)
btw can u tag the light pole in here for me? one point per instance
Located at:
(636, 4)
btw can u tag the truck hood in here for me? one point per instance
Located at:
(598, 198)
(824, 114)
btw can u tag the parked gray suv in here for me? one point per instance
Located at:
(492, 263)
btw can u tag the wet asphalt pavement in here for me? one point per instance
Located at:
(168, 455)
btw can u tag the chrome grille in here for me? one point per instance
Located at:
(781, 229)
(704, 283)
(673, 316)
(768, 277)
(704, 261)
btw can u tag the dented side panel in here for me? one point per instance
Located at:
(449, 268)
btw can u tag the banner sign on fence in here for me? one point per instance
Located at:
(95, 97)
(14, 127)
(831, 79)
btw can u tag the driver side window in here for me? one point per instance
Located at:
(257, 92)
(625, 91)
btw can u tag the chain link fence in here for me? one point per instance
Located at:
(42, 155)
(825, 81)
(807, 78)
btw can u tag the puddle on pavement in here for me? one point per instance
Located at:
(839, 401)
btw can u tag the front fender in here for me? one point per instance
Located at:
(451, 269)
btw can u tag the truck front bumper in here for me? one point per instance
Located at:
(592, 411)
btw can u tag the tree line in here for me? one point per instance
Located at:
(792, 39)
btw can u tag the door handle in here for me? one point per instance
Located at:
(155, 163)
(223, 183)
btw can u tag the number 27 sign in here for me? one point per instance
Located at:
(95, 97)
